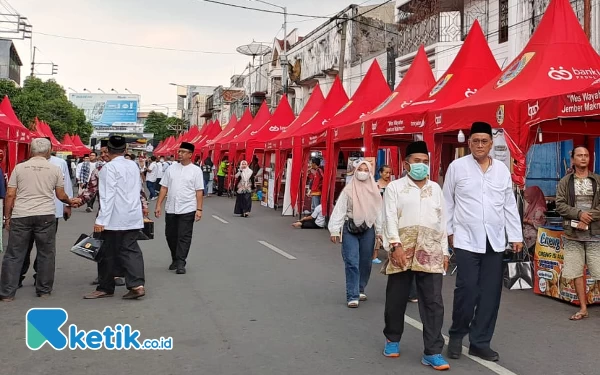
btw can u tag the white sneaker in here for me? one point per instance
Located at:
(363, 297)
(353, 304)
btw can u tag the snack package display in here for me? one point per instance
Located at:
(547, 270)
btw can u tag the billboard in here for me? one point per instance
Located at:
(107, 109)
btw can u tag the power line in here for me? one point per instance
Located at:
(262, 10)
(134, 45)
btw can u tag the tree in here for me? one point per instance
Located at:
(159, 124)
(48, 102)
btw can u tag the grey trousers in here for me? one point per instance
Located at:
(43, 230)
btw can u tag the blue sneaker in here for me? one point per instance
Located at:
(436, 361)
(376, 261)
(392, 349)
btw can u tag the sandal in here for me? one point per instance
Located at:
(579, 315)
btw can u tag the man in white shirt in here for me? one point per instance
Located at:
(151, 177)
(62, 210)
(482, 213)
(160, 173)
(414, 233)
(316, 220)
(183, 186)
(119, 221)
(93, 165)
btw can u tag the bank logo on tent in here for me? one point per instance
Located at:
(43, 326)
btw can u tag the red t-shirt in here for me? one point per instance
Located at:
(317, 182)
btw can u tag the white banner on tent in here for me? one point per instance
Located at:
(500, 150)
(288, 210)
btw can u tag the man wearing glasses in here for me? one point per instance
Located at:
(183, 185)
(481, 214)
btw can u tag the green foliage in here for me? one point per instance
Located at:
(48, 102)
(159, 124)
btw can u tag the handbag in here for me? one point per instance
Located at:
(87, 247)
(518, 274)
(354, 229)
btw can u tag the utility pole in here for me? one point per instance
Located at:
(284, 57)
(33, 62)
(342, 61)
(587, 11)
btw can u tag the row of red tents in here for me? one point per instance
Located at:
(15, 137)
(552, 87)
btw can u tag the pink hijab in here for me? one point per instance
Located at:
(366, 198)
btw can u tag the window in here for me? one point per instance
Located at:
(503, 21)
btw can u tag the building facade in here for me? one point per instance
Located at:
(10, 62)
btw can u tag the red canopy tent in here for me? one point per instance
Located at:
(14, 137)
(68, 145)
(229, 128)
(77, 142)
(200, 133)
(43, 130)
(238, 142)
(228, 136)
(534, 89)
(335, 100)
(211, 132)
(161, 149)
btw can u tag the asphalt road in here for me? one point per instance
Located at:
(244, 308)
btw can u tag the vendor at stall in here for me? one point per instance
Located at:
(577, 197)
(534, 216)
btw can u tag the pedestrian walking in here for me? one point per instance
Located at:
(221, 173)
(244, 185)
(151, 177)
(577, 199)
(207, 168)
(415, 229)
(93, 165)
(356, 222)
(84, 169)
(2, 194)
(118, 222)
(30, 211)
(62, 211)
(482, 213)
(316, 183)
(183, 187)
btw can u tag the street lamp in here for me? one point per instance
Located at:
(116, 92)
(72, 89)
(102, 91)
(284, 64)
(84, 90)
(128, 91)
(163, 106)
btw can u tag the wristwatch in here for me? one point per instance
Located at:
(394, 246)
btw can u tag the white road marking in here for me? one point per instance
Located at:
(219, 219)
(277, 250)
(492, 366)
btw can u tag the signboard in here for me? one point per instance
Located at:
(107, 109)
(547, 267)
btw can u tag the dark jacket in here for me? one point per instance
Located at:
(565, 203)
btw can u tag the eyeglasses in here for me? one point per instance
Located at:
(482, 142)
(182, 151)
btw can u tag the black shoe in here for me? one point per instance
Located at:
(119, 281)
(486, 354)
(181, 271)
(454, 348)
(173, 266)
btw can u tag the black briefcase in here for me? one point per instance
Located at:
(148, 231)
(87, 247)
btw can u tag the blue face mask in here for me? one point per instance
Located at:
(418, 171)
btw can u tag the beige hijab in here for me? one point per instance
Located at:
(366, 199)
(245, 173)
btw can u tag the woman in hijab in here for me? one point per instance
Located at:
(244, 186)
(535, 215)
(356, 221)
(207, 167)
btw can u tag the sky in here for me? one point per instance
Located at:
(177, 24)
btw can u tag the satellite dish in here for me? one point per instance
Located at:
(254, 49)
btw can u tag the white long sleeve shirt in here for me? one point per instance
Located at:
(481, 205)
(341, 212)
(64, 168)
(119, 186)
(415, 218)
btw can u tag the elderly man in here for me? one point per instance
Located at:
(414, 228)
(30, 211)
(577, 199)
(183, 187)
(119, 221)
(62, 211)
(482, 212)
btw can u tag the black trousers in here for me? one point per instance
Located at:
(178, 230)
(477, 296)
(220, 185)
(120, 254)
(431, 307)
(27, 260)
(22, 230)
(310, 224)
